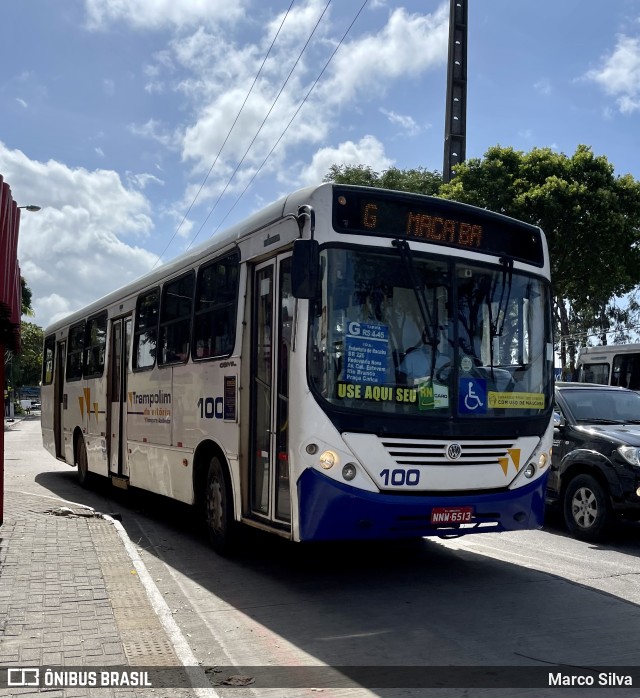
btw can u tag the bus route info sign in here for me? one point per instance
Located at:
(366, 353)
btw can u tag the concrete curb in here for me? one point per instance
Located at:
(180, 645)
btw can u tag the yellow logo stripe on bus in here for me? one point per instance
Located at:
(514, 457)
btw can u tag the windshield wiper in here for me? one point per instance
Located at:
(430, 331)
(494, 330)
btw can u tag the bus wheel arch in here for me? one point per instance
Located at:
(213, 494)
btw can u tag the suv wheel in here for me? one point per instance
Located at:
(586, 508)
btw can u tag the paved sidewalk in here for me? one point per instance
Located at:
(71, 598)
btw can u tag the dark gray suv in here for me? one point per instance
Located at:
(595, 468)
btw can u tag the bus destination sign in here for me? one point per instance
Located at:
(435, 221)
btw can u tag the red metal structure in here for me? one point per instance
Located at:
(10, 298)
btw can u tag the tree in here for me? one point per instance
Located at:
(26, 298)
(419, 181)
(591, 218)
(27, 365)
(24, 368)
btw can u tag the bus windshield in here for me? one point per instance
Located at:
(429, 337)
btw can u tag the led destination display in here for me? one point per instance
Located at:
(436, 221)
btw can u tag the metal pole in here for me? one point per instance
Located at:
(455, 128)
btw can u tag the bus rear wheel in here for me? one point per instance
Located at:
(84, 475)
(218, 507)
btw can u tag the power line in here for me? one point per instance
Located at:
(235, 121)
(577, 336)
(233, 174)
(293, 117)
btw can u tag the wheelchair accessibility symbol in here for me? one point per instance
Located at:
(472, 396)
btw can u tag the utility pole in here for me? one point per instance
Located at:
(455, 128)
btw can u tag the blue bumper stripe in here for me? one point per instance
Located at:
(330, 510)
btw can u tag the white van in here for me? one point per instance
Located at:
(613, 364)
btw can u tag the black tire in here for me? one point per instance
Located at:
(587, 512)
(218, 509)
(84, 476)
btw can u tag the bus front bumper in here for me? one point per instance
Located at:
(330, 510)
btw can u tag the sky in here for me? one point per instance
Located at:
(141, 127)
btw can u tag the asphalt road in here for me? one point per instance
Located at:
(510, 601)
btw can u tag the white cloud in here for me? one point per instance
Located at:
(543, 86)
(212, 69)
(108, 87)
(21, 102)
(214, 75)
(143, 179)
(305, 15)
(156, 131)
(619, 74)
(407, 46)
(368, 150)
(406, 122)
(74, 251)
(156, 14)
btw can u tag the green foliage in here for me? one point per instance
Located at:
(419, 181)
(591, 218)
(26, 298)
(27, 366)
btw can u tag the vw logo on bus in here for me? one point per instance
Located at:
(453, 451)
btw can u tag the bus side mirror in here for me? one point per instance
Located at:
(305, 269)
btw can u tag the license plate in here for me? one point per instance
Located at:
(451, 515)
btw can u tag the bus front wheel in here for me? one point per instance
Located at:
(219, 508)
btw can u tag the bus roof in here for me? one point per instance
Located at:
(606, 351)
(287, 205)
(221, 240)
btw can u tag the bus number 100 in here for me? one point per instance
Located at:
(211, 408)
(399, 477)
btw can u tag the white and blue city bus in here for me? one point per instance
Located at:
(347, 364)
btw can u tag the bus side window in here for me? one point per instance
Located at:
(634, 372)
(145, 338)
(175, 320)
(47, 360)
(75, 352)
(215, 308)
(95, 345)
(596, 373)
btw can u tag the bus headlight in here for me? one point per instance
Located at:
(543, 460)
(349, 471)
(328, 459)
(530, 471)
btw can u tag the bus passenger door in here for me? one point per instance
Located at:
(58, 407)
(272, 317)
(117, 397)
